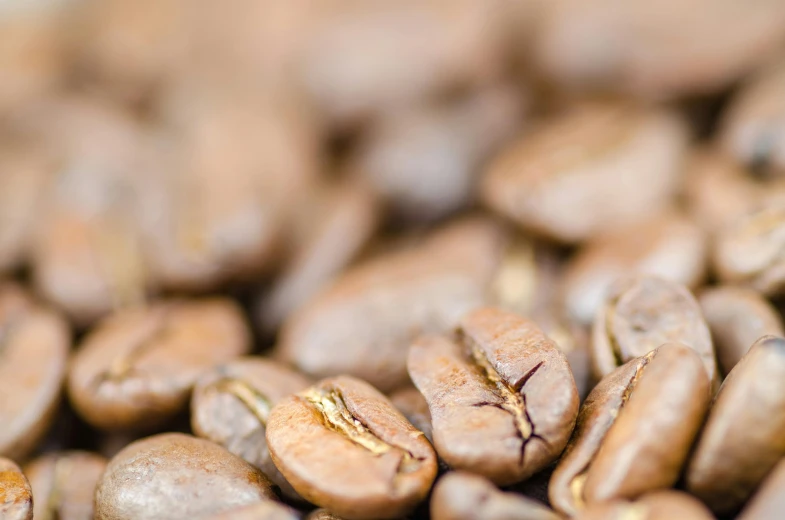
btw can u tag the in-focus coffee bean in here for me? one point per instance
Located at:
(16, 497)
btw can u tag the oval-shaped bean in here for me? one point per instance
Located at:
(502, 398)
(34, 344)
(16, 497)
(463, 496)
(744, 435)
(640, 314)
(343, 446)
(177, 476)
(768, 502)
(137, 367)
(593, 168)
(231, 404)
(64, 483)
(634, 430)
(658, 505)
(737, 317)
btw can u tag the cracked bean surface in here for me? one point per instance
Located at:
(16, 497)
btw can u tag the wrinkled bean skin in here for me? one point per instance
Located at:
(137, 368)
(659, 505)
(34, 345)
(463, 496)
(744, 435)
(16, 497)
(640, 314)
(737, 318)
(231, 405)
(572, 178)
(343, 446)
(634, 430)
(64, 484)
(502, 398)
(768, 502)
(177, 476)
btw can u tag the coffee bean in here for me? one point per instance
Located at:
(267, 510)
(231, 405)
(743, 436)
(737, 318)
(137, 367)
(634, 430)
(658, 505)
(410, 402)
(16, 498)
(502, 398)
(323, 514)
(640, 314)
(34, 344)
(177, 476)
(63, 484)
(343, 446)
(768, 501)
(463, 496)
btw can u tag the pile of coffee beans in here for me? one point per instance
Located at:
(381, 259)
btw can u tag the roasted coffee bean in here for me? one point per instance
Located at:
(659, 505)
(16, 497)
(34, 344)
(640, 314)
(463, 496)
(593, 168)
(63, 484)
(363, 322)
(768, 503)
(323, 514)
(573, 340)
(737, 318)
(502, 398)
(410, 402)
(266, 510)
(668, 246)
(343, 446)
(634, 430)
(231, 405)
(747, 252)
(177, 476)
(744, 435)
(137, 367)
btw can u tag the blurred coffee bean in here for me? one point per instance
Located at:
(64, 483)
(659, 505)
(17, 497)
(178, 477)
(136, 368)
(592, 168)
(411, 403)
(768, 502)
(323, 514)
(267, 510)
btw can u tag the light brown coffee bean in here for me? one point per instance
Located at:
(747, 252)
(231, 405)
(177, 476)
(34, 344)
(668, 246)
(464, 496)
(592, 168)
(266, 510)
(63, 484)
(634, 430)
(737, 318)
(768, 502)
(16, 497)
(659, 505)
(640, 314)
(137, 367)
(365, 320)
(323, 514)
(411, 403)
(502, 398)
(343, 446)
(744, 435)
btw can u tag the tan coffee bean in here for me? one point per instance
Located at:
(178, 477)
(231, 405)
(669, 246)
(343, 446)
(463, 496)
(267, 510)
(590, 169)
(768, 501)
(634, 430)
(34, 344)
(659, 505)
(63, 484)
(502, 398)
(16, 498)
(137, 367)
(737, 318)
(744, 435)
(411, 403)
(640, 314)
